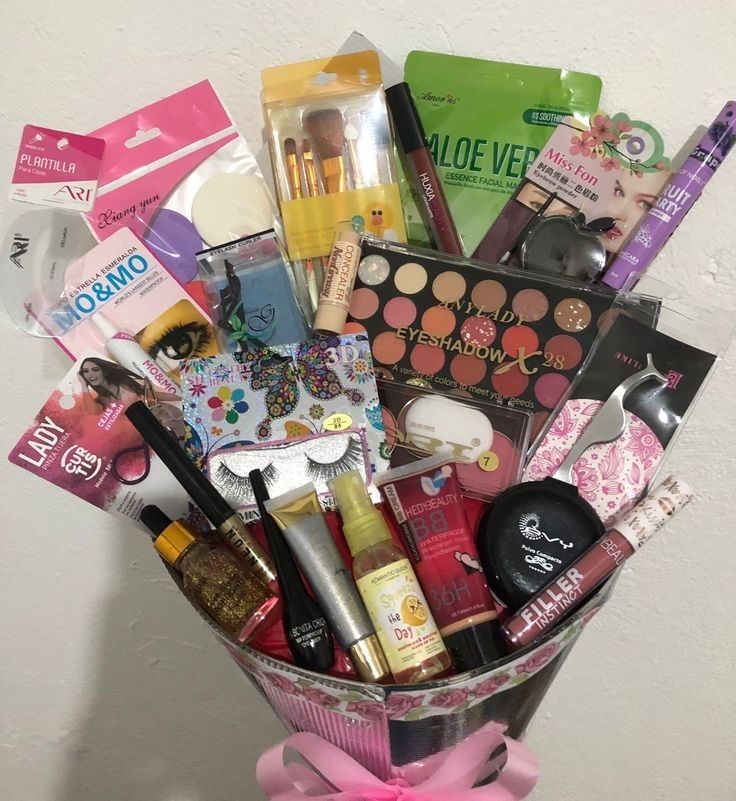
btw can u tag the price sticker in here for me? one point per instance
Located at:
(488, 461)
(338, 422)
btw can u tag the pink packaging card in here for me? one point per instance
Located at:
(56, 168)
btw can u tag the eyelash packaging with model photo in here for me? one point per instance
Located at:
(493, 332)
(486, 440)
(611, 169)
(139, 297)
(82, 442)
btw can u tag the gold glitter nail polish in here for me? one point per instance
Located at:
(212, 576)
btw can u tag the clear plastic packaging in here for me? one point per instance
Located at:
(489, 332)
(252, 293)
(319, 457)
(331, 151)
(684, 347)
(487, 441)
(181, 177)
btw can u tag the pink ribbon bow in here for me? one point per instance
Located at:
(335, 776)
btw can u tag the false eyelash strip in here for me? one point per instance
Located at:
(233, 485)
(325, 471)
(288, 464)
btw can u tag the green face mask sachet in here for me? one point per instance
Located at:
(486, 122)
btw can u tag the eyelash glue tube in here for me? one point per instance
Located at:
(674, 202)
(578, 581)
(129, 354)
(299, 516)
(425, 501)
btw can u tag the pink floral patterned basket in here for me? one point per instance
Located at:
(389, 726)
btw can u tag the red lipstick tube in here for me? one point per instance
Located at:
(578, 581)
(424, 176)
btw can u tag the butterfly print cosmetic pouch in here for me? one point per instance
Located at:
(265, 395)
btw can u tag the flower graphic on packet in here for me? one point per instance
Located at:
(197, 388)
(609, 164)
(601, 130)
(643, 441)
(228, 405)
(359, 370)
(580, 146)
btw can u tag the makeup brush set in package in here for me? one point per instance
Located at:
(393, 414)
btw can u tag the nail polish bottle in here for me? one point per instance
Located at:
(389, 587)
(212, 577)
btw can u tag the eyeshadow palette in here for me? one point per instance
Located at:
(486, 441)
(449, 323)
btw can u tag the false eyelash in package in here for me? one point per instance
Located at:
(318, 458)
(181, 177)
(266, 395)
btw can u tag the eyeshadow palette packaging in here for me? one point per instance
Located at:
(613, 476)
(267, 395)
(487, 441)
(451, 323)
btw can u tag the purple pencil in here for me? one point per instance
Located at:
(676, 200)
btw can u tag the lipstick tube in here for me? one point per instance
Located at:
(675, 201)
(577, 582)
(424, 176)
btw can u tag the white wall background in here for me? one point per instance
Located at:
(110, 686)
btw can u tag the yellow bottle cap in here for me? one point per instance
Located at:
(170, 537)
(362, 523)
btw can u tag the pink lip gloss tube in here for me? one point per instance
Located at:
(424, 176)
(579, 580)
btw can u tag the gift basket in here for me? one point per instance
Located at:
(395, 417)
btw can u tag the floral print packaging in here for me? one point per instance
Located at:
(613, 476)
(266, 395)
